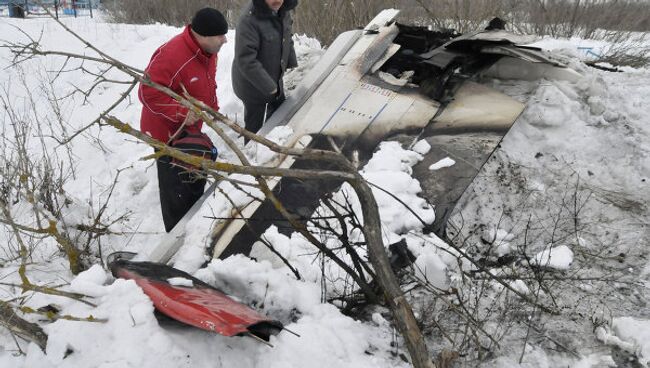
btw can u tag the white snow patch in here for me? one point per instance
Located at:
(559, 258)
(422, 147)
(500, 240)
(445, 162)
(606, 337)
(595, 361)
(379, 320)
(180, 281)
(636, 335)
(89, 281)
(520, 286)
(261, 154)
(430, 268)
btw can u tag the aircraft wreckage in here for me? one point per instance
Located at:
(370, 84)
(390, 78)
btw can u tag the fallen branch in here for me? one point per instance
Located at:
(20, 327)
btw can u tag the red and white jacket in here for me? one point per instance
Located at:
(179, 62)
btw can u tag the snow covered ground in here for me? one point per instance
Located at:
(597, 128)
(570, 184)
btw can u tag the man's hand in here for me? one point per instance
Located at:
(191, 118)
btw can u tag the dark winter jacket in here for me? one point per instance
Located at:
(263, 51)
(178, 62)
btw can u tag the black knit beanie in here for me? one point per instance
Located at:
(209, 22)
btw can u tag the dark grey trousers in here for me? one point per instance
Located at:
(254, 114)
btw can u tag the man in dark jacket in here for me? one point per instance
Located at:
(188, 61)
(263, 52)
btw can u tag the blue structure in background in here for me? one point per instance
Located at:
(20, 8)
(16, 9)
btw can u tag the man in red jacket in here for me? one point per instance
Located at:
(187, 62)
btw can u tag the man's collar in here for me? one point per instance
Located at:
(193, 44)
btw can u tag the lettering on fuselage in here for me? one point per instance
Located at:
(357, 113)
(376, 90)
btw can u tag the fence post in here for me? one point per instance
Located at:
(90, 6)
(56, 9)
(16, 10)
(74, 7)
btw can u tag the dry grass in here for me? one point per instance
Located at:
(611, 20)
(557, 18)
(324, 20)
(172, 12)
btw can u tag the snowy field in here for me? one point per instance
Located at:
(597, 129)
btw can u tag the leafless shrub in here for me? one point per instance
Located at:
(172, 12)
(561, 18)
(325, 20)
(491, 297)
(33, 206)
(35, 170)
(462, 16)
(614, 21)
(339, 229)
(627, 49)
(557, 18)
